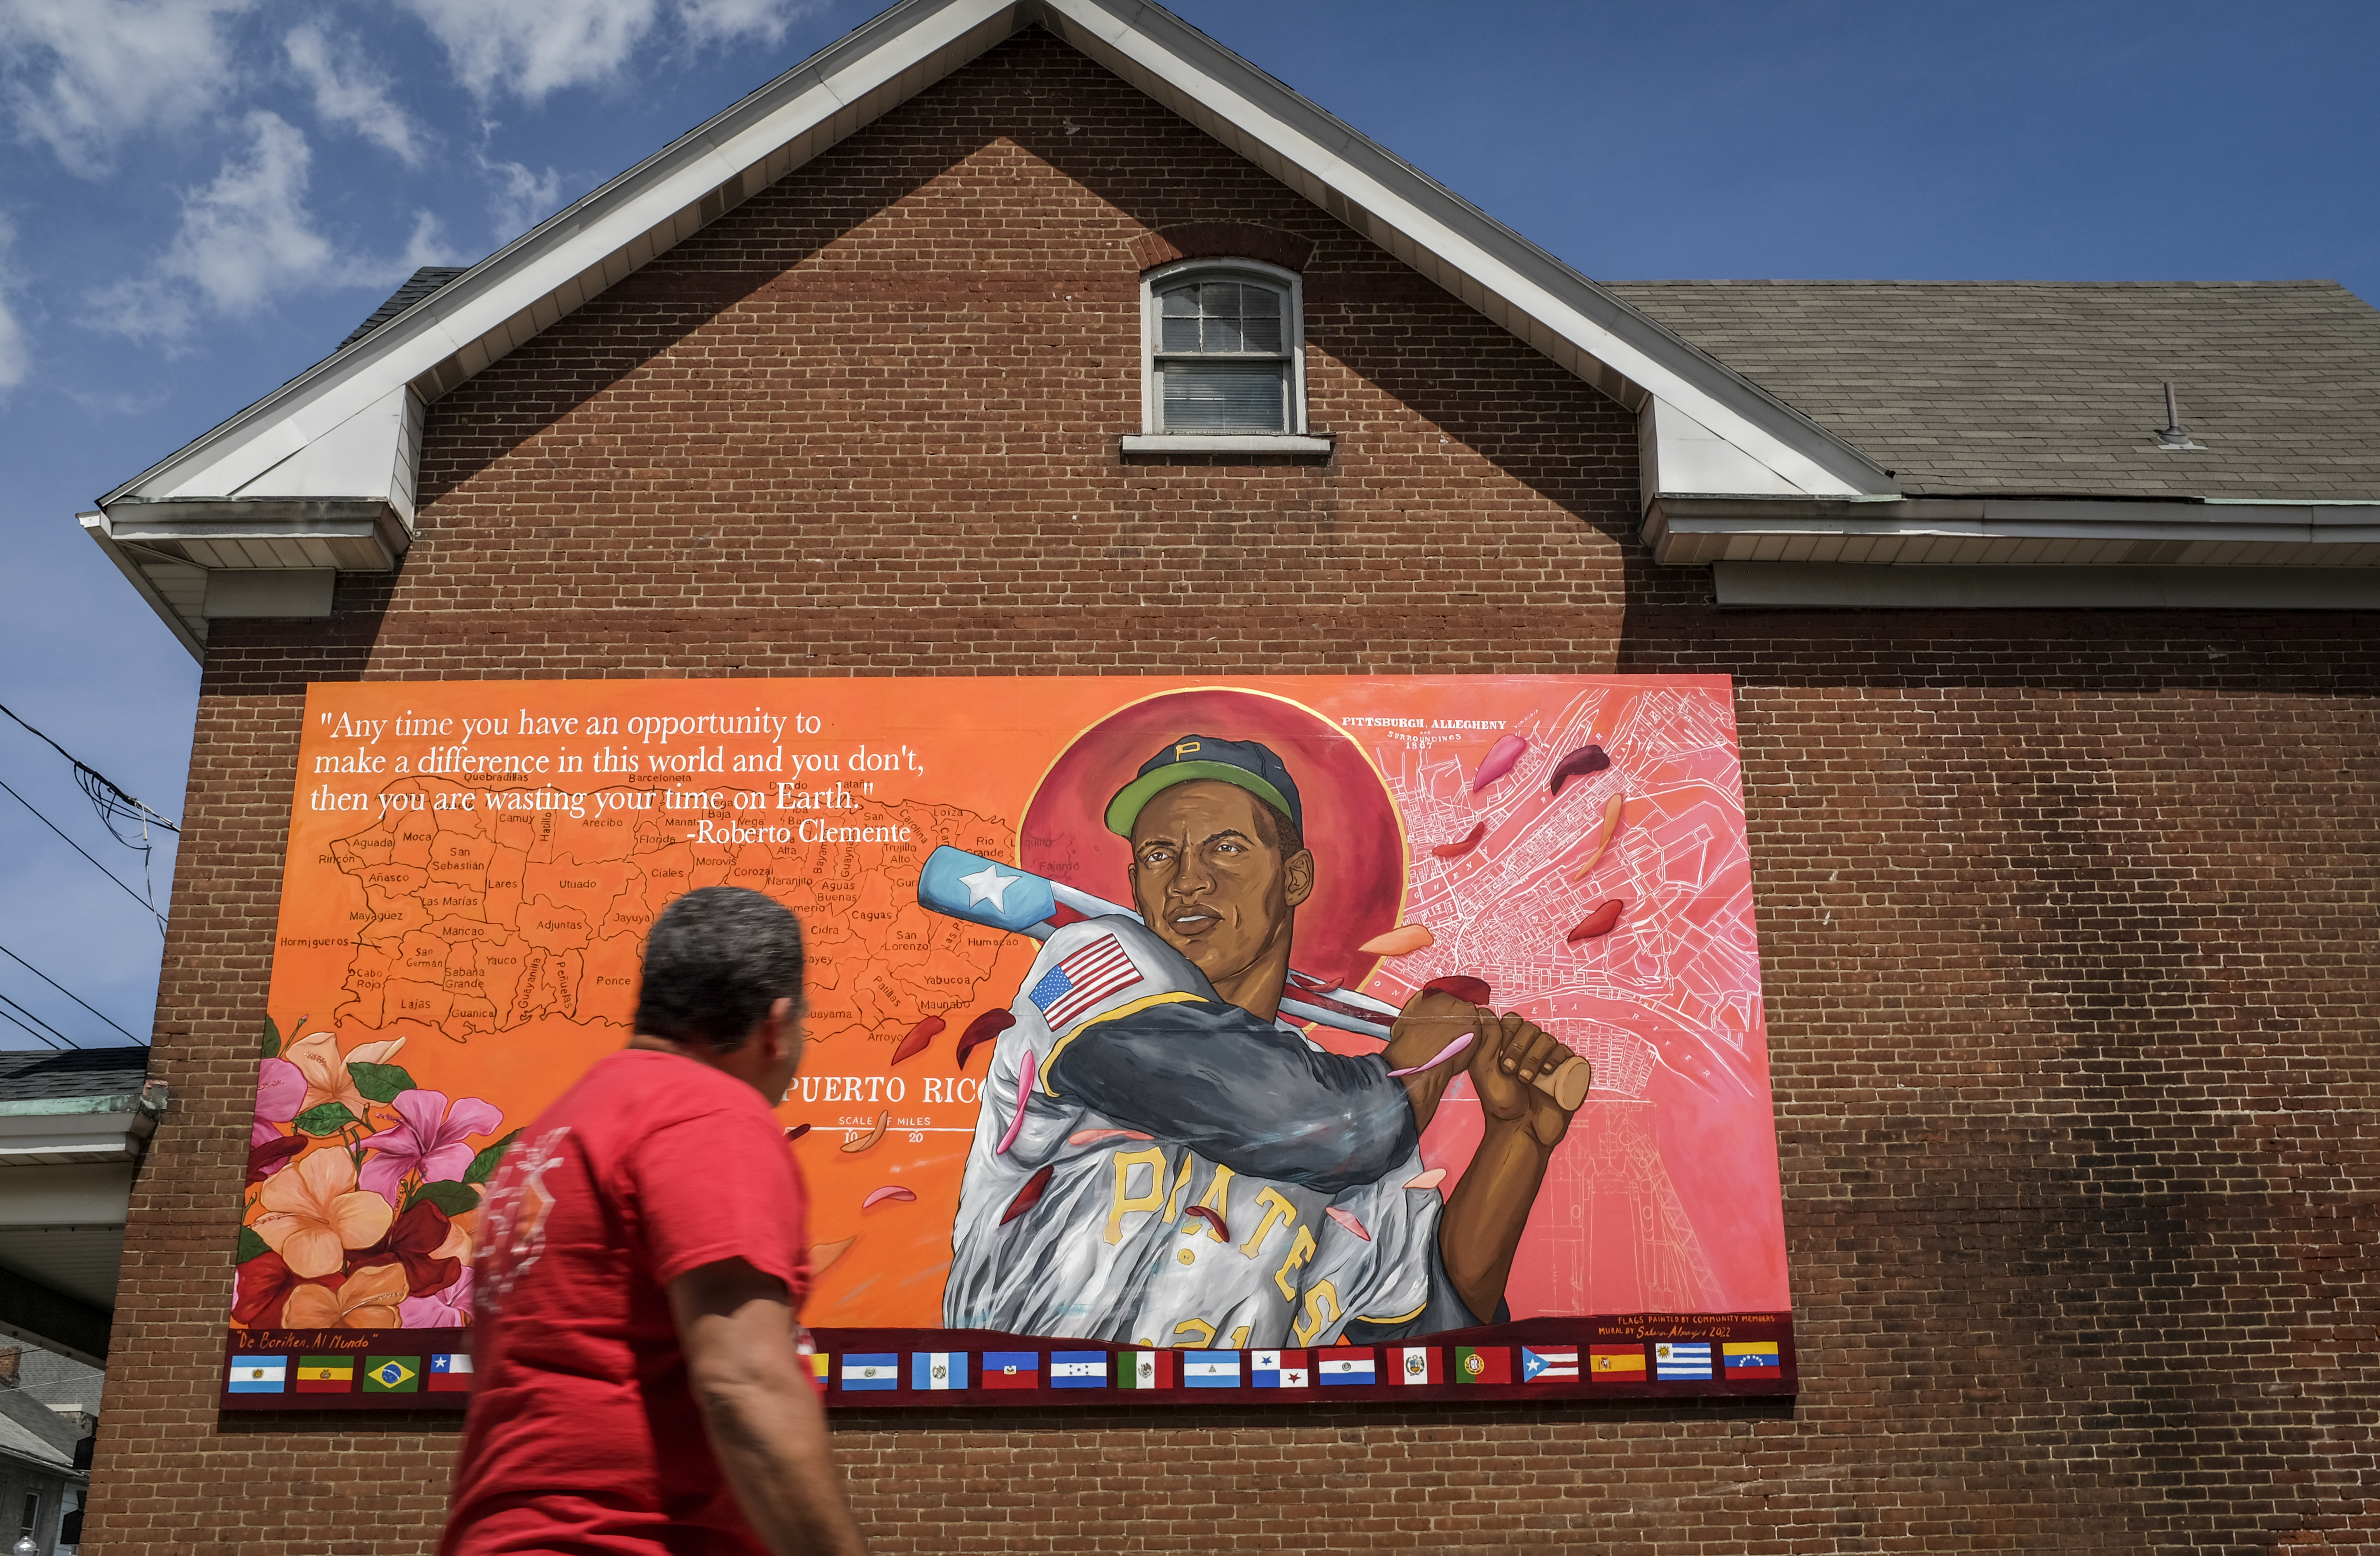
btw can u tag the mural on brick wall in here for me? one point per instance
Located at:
(1294, 1033)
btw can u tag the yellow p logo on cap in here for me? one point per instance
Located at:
(1185, 748)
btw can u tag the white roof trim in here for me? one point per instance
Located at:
(456, 332)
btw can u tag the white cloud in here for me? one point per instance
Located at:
(520, 198)
(15, 351)
(719, 21)
(247, 240)
(85, 75)
(533, 47)
(353, 96)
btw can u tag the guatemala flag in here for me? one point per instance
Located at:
(938, 1369)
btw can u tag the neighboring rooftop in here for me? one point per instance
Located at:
(2044, 388)
(418, 286)
(30, 1429)
(90, 1072)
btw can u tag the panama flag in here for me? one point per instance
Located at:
(1279, 1369)
(1418, 1364)
(1543, 1364)
(871, 1369)
(258, 1375)
(1753, 1358)
(1078, 1369)
(1483, 1363)
(1681, 1359)
(1346, 1365)
(1011, 1369)
(1210, 1370)
(450, 1373)
(938, 1369)
(1616, 1364)
(1144, 1370)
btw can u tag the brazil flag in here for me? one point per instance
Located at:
(392, 1375)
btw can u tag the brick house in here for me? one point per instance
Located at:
(2056, 695)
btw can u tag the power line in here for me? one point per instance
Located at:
(116, 806)
(63, 989)
(37, 1021)
(38, 1036)
(86, 854)
(92, 778)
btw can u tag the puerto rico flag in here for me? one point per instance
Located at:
(1279, 1369)
(1616, 1364)
(1417, 1364)
(1548, 1364)
(1753, 1358)
(1087, 975)
(1078, 1369)
(1681, 1359)
(1011, 1369)
(258, 1375)
(871, 1369)
(1346, 1365)
(1210, 1370)
(938, 1369)
(450, 1373)
(1144, 1370)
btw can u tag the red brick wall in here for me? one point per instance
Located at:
(2067, 919)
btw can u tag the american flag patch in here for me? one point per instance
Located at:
(1082, 979)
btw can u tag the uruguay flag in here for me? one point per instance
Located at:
(1346, 1365)
(869, 1369)
(1681, 1360)
(1078, 1369)
(938, 1369)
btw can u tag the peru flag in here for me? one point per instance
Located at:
(1418, 1364)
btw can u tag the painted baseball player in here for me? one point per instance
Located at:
(1213, 1177)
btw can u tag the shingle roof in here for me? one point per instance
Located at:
(91, 1072)
(418, 286)
(32, 1430)
(2056, 388)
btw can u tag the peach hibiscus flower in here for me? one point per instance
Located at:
(370, 1299)
(313, 1213)
(317, 1056)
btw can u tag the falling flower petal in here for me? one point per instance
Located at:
(1456, 850)
(1027, 1197)
(824, 1253)
(923, 1033)
(981, 1031)
(797, 1131)
(1499, 760)
(883, 1122)
(892, 1192)
(1431, 1179)
(1401, 941)
(1350, 1222)
(1213, 1217)
(1470, 990)
(1603, 838)
(1093, 1136)
(1578, 764)
(1440, 1057)
(1024, 1095)
(1599, 922)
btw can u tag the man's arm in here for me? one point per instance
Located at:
(766, 1426)
(1490, 1207)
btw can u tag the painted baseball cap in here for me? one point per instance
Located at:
(1246, 763)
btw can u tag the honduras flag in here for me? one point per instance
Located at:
(1078, 1369)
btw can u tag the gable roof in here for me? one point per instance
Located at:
(2037, 388)
(418, 286)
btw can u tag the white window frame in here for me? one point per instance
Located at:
(1153, 438)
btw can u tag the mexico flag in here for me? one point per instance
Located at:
(1416, 1363)
(1144, 1370)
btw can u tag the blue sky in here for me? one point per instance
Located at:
(200, 197)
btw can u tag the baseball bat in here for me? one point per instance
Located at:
(968, 886)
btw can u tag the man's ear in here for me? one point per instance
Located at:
(777, 1031)
(1297, 876)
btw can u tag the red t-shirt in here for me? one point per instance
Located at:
(583, 1436)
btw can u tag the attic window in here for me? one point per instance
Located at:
(1224, 349)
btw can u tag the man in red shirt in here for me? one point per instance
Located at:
(641, 1259)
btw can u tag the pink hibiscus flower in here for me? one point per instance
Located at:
(429, 1139)
(446, 1309)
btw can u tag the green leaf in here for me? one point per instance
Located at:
(452, 1199)
(483, 1166)
(326, 1118)
(381, 1082)
(272, 1040)
(250, 1245)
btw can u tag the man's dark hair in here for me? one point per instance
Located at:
(717, 960)
(1286, 839)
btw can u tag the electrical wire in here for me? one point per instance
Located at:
(67, 992)
(38, 1036)
(116, 806)
(78, 849)
(24, 1015)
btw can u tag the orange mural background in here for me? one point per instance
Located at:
(489, 954)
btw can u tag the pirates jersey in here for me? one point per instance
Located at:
(1185, 1173)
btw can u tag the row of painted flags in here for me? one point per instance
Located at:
(1657, 1361)
(446, 1373)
